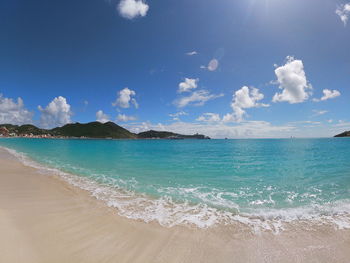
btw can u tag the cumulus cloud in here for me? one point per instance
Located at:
(212, 65)
(56, 113)
(244, 98)
(187, 85)
(343, 11)
(292, 81)
(209, 117)
(123, 117)
(176, 116)
(13, 112)
(192, 53)
(251, 129)
(139, 127)
(328, 94)
(246, 129)
(125, 99)
(102, 117)
(131, 9)
(196, 98)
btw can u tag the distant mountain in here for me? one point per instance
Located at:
(168, 135)
(92, 130)
(24, 129)
(89, 130)
(344, 134)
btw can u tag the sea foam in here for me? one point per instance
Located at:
(169, 213)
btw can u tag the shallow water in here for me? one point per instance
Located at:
(205, 182)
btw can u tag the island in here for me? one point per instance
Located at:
(168, 135)
(93, 130)
(343, 134)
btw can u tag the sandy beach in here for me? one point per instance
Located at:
(44, 219)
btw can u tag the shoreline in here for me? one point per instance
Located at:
(137, 139)
(49, 220)
(170, 213)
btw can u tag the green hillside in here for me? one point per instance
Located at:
(168, 135)
(96, 130)
(24, 129)
(93, 130)
(344, 134)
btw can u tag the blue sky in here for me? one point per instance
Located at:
(244, 68)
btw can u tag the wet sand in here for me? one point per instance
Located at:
(44, 219)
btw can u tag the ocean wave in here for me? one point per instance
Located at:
(205, 214)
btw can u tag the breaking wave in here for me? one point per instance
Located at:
(212, 210)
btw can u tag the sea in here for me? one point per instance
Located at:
(264, 184)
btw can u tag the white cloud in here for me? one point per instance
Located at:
(196, 98)
(187, 85)
(342, 124)
(244, 98)
(192, 53)
(125, 98)
(56, 113)
(139, 127)
(306, 122)
(123, 117)
(251, 129)
(14, 112)
(306, 125)
(132, 8)
(343, 11)
(292, 80)
(209, 117)
(319, 112)
(212, 65)
(176, 116)
(339, 126)
(328, 94)
(102, 117)
(247, 129)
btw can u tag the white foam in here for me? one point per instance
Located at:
(169, 213)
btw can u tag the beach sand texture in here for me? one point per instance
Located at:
(44, 219)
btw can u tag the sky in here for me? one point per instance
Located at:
(223, 68)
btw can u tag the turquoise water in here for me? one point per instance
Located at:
(203, 182)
